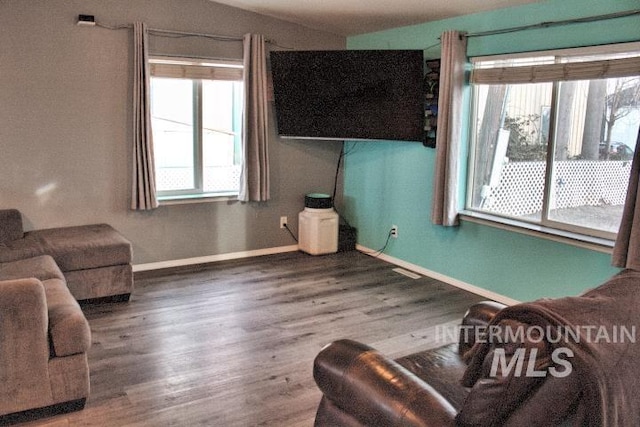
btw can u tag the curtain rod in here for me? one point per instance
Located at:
(556, 23)
(178, 34)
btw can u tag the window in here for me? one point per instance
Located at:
(553, 138)
(196, 117)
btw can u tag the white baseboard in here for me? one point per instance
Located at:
(441, 277)
(292, 248)
(213, 258)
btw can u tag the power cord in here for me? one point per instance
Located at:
(379, 252)
(335, 179)
(291, 232)
(343, 154)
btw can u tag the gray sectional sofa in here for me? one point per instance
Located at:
(95, 259)
(44, 336)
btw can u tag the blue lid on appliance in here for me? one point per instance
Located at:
(317, 201)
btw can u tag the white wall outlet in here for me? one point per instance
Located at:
(283, 222)
(394, 231)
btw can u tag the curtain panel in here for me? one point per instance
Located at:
(626, 252)
(143, 189)
(254, 178)
(448, 138)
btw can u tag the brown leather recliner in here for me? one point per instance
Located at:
(362, 387)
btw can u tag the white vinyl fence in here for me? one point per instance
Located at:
(216, 178)
(577, 183)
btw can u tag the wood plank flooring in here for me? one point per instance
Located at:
(233, 343)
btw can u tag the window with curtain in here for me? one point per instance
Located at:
(196, 120)
(553, 137)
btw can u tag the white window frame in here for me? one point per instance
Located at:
(196, 70)
(557, 230)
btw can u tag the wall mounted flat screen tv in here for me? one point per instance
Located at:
(349, 94)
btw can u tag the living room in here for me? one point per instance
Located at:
(67, 129)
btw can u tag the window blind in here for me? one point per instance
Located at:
(196, 72)
(622, 67)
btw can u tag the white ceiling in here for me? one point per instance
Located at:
(351, 17)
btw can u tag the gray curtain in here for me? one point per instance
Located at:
(254, 179)
(446, 185)
(626, 252)
(143, 189)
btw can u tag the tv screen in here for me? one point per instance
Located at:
(349, 94)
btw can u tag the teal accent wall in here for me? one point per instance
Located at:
(391, 182)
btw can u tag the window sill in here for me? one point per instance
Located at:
(184, 199)
(537, 230)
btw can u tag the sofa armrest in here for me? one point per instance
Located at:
(375, 390)
(69, 330)
(10, 225)
(24, 346)
(474, 321)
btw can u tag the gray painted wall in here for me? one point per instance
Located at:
(65, 126)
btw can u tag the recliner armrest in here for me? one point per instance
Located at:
(477, 316)
(376, 390)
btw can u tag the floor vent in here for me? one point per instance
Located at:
(407, 273)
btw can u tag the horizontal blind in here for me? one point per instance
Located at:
(196, 72)
(623, 67)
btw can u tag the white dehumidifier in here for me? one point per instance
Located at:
(318, 225)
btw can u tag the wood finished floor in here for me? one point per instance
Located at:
(233, 344)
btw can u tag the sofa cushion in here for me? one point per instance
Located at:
(26, 247)
(10, 225)
(83, 247)
(42, 267)
(100, 282)
(68, 328)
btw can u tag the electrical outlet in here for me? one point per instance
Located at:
(283, 222)
(86, 20)
(394, 231)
